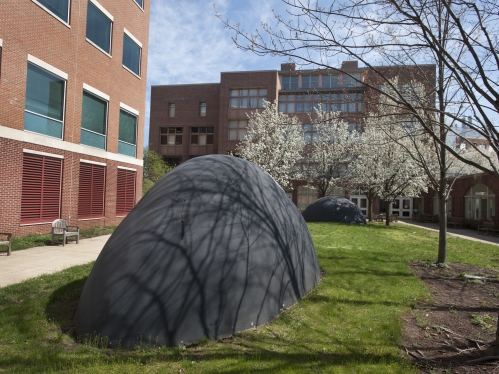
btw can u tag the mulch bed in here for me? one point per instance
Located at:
(460, 326)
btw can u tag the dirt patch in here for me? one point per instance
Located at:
(460, 325)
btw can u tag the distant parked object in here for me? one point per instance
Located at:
(334, 209)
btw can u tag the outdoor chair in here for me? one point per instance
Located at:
(60, 227)
(7, 242)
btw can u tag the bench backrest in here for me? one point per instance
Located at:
(488, 224)
(58, 226)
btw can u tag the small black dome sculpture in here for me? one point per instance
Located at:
(214, 248)
(334, 209)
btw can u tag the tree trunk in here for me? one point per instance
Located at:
(369, 206)
(442, 232)
(387, 220)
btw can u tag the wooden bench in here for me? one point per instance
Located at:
(455, 222)
(7, 242)
(487, 227)
(60, 228)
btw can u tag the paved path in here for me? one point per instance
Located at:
(460, 233)
(30, 263)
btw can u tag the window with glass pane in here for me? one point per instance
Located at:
(131, 54)
(171, 110)
(310, 133)
(171, 136)
(309, 81)
(289, 82)
(93, 121)
(127, 137)
(202, 135)
(299, 103)
(140, 3)
(247, 98)
(351, 81)
(202, 109)
(44, 107)
(330, 81)
(59, 8)
(237, 129)
(98, 28)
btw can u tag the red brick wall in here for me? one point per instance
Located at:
(11, 176)
(463, 184)
(26, 28)
(187, 99)
(228, 81)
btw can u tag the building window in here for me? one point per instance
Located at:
(351, 81)
(171, 136)
(202, 109)
(91, 191)
(310, 133)
(248, 98)
(171, 110)
(41, 188)
(201, 135)
(331, 81)
(140, 3)
(93, 121)
(289, 82)
(331, 102)
(131, 54)
(125, 192)
(59, 8)
(99, 26)
(127, 137)
(44, 107)
(309, 81)
(238, 129)
(480, 202)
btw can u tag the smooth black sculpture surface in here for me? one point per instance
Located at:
(334, 209)
(214, 248)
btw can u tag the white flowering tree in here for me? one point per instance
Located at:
(384, 167)
(274, 142)
(329, 148)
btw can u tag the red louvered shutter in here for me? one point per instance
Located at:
(125, 192)
(91, 191)
(41, 189)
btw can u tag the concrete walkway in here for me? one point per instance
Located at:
(30, 263)
(460, 233)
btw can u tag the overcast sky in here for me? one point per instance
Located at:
(188, 44)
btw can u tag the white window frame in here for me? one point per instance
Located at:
(54, 15)
(101, 95)
(136, 41)
(134, 112)
(111, 18)
(53, 70)
(140, 7)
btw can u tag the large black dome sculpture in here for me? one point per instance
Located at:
(334, 209)
(214, 248)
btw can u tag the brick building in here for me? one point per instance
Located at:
(197, 119)
(72, 104)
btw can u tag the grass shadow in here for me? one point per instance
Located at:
(62, 305)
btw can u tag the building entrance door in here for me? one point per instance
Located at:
(402, 206)
(361, 202)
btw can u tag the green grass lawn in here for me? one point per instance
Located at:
(39, 240)
(351, 323)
